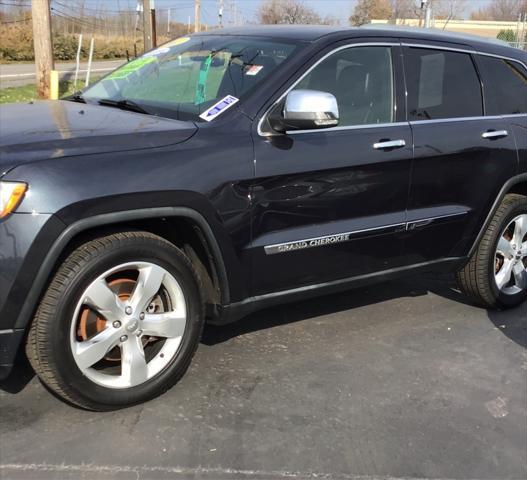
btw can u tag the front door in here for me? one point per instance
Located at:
(331, 204)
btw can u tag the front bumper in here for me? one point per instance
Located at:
(25, 240)
(10, 341)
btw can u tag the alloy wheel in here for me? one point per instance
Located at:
(511, 257)
(128, 325)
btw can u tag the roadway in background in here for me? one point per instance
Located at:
(17, 74)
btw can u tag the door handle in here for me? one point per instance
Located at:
(495, 134)
(389, 144)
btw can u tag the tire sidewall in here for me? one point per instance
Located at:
(503, 299)
(155, 252)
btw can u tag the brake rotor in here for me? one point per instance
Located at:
(90, 323)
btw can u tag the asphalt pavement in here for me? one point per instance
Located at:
(402, 380)
(17, 74)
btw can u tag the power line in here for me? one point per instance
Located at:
(82, 22)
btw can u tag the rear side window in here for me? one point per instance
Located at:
(505, 85)
(441, 84)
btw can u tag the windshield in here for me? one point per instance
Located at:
(191, 78)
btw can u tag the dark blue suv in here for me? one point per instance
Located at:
(228, 171)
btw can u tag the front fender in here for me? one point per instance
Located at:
(219, 248)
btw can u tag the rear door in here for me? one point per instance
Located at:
(330, 204)
(462, 158)
(505, 87)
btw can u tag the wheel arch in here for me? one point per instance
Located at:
(516, 184)
(151, 218)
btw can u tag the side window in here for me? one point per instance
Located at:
(505, 86)
(361, 78)
(441, 84)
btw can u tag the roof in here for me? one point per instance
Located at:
(306, 33)
(312, 33)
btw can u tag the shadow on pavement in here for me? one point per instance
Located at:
(315, 307)
(512, 323)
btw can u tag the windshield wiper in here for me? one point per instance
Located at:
(76, 97)
(124, 104)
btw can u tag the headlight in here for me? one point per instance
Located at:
(11, 194)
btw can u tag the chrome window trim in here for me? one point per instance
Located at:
(455, 119)
(350, 127)
(437, 47)
(384, 125)
(463, 50)
(261, 133)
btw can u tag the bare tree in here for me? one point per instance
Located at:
(287, 11)
(405, 9)
(501, 10)
(367, 10)
(448, 9)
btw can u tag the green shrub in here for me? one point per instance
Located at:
(507, 36)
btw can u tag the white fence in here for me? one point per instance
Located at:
(520, 45)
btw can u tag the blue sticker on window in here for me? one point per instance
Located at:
(218, 108)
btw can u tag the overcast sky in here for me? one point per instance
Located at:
(181, 9)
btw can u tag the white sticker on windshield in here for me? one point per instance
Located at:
(253, 70)
(218, 108)
(156, 52)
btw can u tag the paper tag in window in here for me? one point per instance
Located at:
(177, 41)
(156, 52)
(219, 108)
(253, 70)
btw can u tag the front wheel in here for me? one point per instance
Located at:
(119, 323)
(496, 275)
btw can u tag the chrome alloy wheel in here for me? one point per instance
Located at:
(128, 325)
(511, 257)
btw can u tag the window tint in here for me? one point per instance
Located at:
(361, 78)
(441, 84)
(505, 85)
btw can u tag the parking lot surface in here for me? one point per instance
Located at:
(401, 380)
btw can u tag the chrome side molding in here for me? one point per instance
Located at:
(348, 236)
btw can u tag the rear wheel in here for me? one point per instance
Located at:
(119, 322)
(496, 275)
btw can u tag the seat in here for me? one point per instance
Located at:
(354, 95)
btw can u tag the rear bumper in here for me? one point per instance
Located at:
(10, 341)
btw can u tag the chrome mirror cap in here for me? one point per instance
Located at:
(309, 109)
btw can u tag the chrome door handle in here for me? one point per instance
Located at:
(495, 134)
(389, 144)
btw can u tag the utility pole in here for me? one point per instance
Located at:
(41, 15)
(425, 5)
(154, 25)
(147, 26)
(197, 15)
(168, 22)
(220, 15)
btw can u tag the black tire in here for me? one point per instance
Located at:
(48, 347)
(477, 278)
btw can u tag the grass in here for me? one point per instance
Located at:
(28, 93)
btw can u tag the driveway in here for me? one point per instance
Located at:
(397, 381)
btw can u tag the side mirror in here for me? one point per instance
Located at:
(307, 110)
